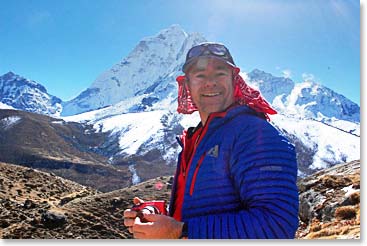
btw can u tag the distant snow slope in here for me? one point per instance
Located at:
(5, 106)
(8, 122)
(330, 144)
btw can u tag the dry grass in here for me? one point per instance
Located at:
(333, 230)
(335, 181)
(356, 180)
(345, 213)
(345, 225)
(355, 198)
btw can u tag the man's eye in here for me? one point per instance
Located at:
(200, 76)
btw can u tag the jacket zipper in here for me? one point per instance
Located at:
(211, 116)
(193, 180)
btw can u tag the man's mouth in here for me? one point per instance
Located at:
(210, 94)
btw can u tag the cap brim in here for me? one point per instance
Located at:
(190, 62)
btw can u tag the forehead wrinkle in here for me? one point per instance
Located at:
(197, 68)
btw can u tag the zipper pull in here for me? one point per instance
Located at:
(198, 164)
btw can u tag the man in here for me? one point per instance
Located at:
(236, 175)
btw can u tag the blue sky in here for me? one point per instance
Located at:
(65, 45)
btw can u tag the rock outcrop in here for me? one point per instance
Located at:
(330, 203)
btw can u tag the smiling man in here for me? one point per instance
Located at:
(211, 87)
(236, 175)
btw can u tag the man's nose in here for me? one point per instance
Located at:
(211, 81)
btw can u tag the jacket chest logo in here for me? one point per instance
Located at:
(213, 152)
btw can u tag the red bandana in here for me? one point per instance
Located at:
(243, 93)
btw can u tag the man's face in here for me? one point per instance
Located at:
(210, 84)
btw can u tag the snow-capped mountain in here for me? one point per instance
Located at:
(269, 85)
(152, 66)
(307, 99)
(143, 117)
(135, 103)
(27, 95)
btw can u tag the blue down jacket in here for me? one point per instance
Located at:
(242, 180)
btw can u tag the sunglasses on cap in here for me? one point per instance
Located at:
(215, 50)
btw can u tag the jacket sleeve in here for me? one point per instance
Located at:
(263, 169)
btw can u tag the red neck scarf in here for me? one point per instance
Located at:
(243, 93)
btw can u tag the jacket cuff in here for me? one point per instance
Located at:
(185, 231)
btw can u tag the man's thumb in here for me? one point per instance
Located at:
(137, 200)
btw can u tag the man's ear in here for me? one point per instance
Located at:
(186, 82)
(235, 73)
(236, 70)
(181, 79)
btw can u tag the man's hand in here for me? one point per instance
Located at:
(158, 227)
(130, 216)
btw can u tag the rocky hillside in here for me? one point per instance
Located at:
(68, 149)
(330, 203)
(30, 201)
(35, 204)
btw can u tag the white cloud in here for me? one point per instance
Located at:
(308, 77)
(287, 73)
